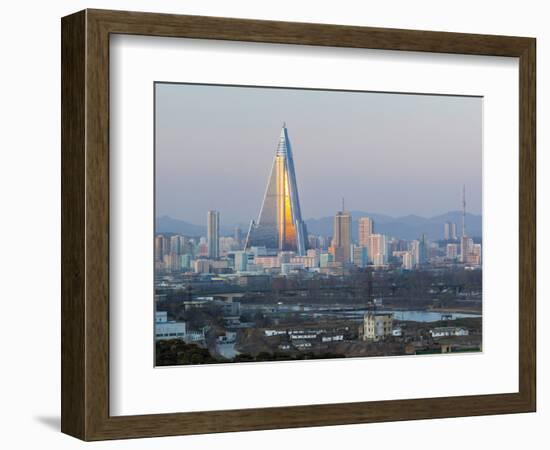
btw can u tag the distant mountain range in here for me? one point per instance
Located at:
(407, 227)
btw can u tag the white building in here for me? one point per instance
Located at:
(168, 329)
(449, 331)
(378, 249)
(377, 326)
(287, 268)
(228, 338)
(414, 247)
(408, 261)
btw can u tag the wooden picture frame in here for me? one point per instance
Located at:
(85, 224)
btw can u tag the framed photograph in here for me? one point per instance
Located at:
(272, 225)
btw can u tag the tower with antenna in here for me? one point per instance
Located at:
(463, 210)
(465, 241)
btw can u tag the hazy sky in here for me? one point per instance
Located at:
(394, 154)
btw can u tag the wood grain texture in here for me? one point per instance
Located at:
(85, 224)
(73, 108)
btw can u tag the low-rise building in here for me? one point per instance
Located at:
(287, 268)
(448, 331)
(168, 329)
(228, 338)
(377, 326)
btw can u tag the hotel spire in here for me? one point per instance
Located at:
(280, 225)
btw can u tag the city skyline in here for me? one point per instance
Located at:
(238, 154)
(351, 284)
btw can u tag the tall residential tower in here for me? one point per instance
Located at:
(365, 229)
(213, 234)
(341, 239)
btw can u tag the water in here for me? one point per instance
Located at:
(418, 315)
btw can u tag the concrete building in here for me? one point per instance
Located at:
(452, 251)
(313, 241)
(258, 251)
(186, 261)
(466, 247)
(308, 262)
(213, 234)
(241, 261)
(254, 267)
(172, 262)
(408, 261)
(341, 239)
(288, 268)
(285, 257)
(360, 256)
(325, 259)
(268, 262)
(226, 245)
(314, 253)
(377, 326)
(378, 249)
(258, 281)
(475, 255)
(175, 244)
(423, 250)
(168, 329)
(159, 247)
(414, 247)
(449, 231)
(238, 238)
(202, 266)
(448, 331)
(365, 229)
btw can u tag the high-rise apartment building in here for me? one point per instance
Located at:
(365, 229)
(341, 239)
(238, 237)
(466, 245)
(213, 234)
(360, 256)
(241, 261)
(175, 244)
(423, 250)
(452, 251)
(378, 249)
(414, 247)
(408, 262)
(449, 231)
(159, 247)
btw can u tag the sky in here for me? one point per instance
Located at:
(385, 153)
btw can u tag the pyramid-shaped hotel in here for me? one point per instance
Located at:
(280, 226)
